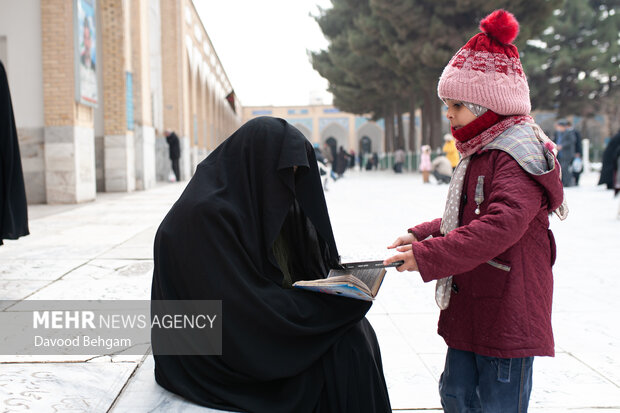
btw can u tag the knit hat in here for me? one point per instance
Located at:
(487, 70)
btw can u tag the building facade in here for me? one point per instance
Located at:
(325, 124)
(94, 85)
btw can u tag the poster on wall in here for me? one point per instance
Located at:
(85, 30)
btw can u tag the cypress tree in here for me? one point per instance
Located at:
(573, 65)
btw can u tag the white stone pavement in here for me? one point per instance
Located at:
(103, 250)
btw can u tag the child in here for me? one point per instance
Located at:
(449, 149)
(492, 251)
(425, 163)
(441, 169)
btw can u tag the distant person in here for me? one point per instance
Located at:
(579, 144)
(425, 163)
(13, 205)
(558, 128)
(369, 163)
(251, 222)
(174, 152)
(492, 251)
(576, 168)
(399, 160)
(577, 163)
(441, 169)
(342, 163)
(375, 160)
(609, 167)
(319, 155)
(616, 171)
(322, 165)
(449, 149)
(617, 180)
(566, 141)
(328, 154)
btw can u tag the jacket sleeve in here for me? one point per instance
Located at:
(514, 200)
(426, 229)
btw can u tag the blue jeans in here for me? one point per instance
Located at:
(472, 383)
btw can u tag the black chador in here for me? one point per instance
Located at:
(251, 221)
(13, 207)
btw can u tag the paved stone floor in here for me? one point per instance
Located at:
(103, 250)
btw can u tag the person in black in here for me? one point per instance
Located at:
(174, 150)
(578, 143)
(343, 162)
(577, 163)
(375, 160)
(566, 141)
(609, 169)
(13, 205)
(251, 222)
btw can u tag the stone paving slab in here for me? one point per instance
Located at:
(62, 387)
(104, 250)
(143, 394)
(103, 279)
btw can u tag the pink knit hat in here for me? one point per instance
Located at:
(487, 70)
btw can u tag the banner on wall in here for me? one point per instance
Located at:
(85, 33)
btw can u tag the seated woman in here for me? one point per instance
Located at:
(251, 222)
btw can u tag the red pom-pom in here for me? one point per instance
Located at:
(501, 25)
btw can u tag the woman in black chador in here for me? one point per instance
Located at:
(13, 206)
(251, 222)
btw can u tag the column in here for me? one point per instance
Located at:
(69, 126)
(144, 132)
(119, 151)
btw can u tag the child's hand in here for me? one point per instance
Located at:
(408, 238)
(406, 254)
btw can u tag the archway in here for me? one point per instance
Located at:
(365, 146)
(338, 133)
(370, 131)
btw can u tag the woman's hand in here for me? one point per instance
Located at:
(408, 238)
(406, 255)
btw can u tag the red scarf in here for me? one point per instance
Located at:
(483, 130)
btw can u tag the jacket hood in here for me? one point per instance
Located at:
(534, 152)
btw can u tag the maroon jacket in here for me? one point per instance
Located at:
(500, 308)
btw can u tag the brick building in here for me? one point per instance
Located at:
(96, 82)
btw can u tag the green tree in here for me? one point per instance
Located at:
(574, 63)
(358, 83)
(385, 56)
(426, 34)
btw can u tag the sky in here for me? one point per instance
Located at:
(262, 46)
